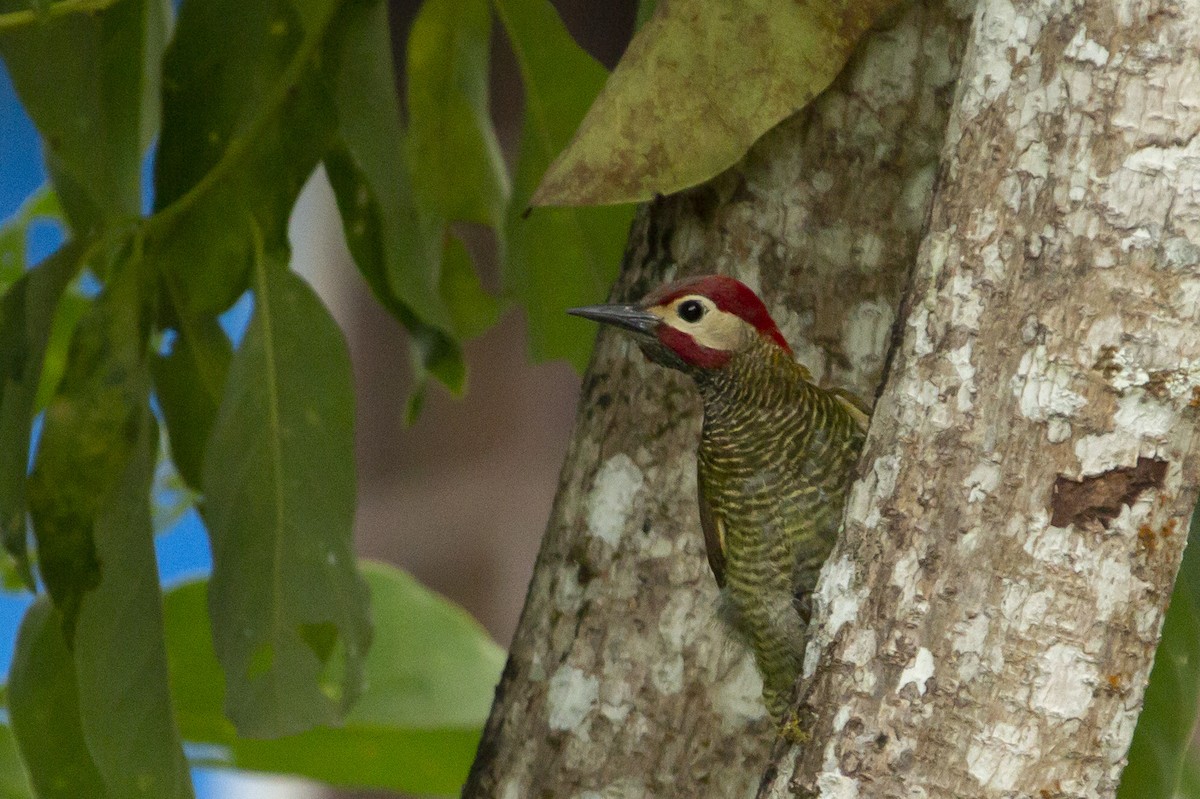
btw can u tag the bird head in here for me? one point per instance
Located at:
(697, 323)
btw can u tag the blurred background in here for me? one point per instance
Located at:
(460, 498)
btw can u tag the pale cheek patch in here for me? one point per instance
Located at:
(717, 329)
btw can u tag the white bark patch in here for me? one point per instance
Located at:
(919, 322)
(568, 594)
(837, 602)
(960, 359)
(1024, 607)
(610, 503)
(866, 332)
(1081, 48)
(1114, 585)
(628, 788)
(1052, 545)
(917, 672)
(982, 480)
(904, 577)
(836, 785)
(1149, 418)
(673, 622)
(1100, 453)
(1137, 418)
(667, 675)
(968, 646)
(868, 494)
(1065, 681)
(860, 649)
(737, 697)
(570, 697)
(967, 304)
(1043, 387)
(997, 758)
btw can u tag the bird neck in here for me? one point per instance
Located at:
(761, 378)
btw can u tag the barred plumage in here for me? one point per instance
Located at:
(775, 458)
(774, 464)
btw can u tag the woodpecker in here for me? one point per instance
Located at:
(774, 463)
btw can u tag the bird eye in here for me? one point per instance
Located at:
(691, 311)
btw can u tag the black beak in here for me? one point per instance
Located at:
(629, 317)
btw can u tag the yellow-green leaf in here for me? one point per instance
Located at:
(699, 83)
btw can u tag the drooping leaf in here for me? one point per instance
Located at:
(1162, 741)
(397, 248)
(458, 172)
(472, 308)
(558, 257)
(97, 109)
(245, 120)
(14, 780)
(699, 83)
(27, 317)
(190, 382)
(43, 702)
(429, 679)
(286, 600)
(88, 436)
(120, 655)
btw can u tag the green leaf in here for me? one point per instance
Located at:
(458, 171)
(471, 307)
(121, 664)
(397, 247)
(430, 674)
(190, 382)
(1161, 742)
(279, 502)
(561, 257)
(27, 318)
(43, 702)
(1189, 781)
(245, 120)
(90, 431)
(71, 309)
(42, 205)
(699, 85)
(97, 109)
(14, 781)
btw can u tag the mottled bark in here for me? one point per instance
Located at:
(987, 623)
(622, 681)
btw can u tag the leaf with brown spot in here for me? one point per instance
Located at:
(699, 83)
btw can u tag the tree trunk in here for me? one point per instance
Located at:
(987, 623)
(621, 681)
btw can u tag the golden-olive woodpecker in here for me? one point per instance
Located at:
(775, 458)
